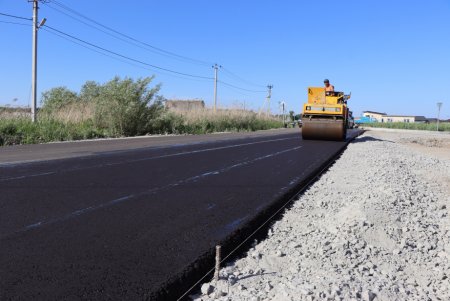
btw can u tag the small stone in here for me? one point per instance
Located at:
(256, 255)
(368, 295)
(396, 251)
(207, 289)
(305, 292)
(232, 279)
(279, 253)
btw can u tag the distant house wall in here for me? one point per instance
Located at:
(185, 104)
(383, 117)
(393, 118)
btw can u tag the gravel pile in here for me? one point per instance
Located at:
(376, 226)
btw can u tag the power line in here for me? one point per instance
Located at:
(231, 74)
(128, 39)
(112, 35)
(17, 17)
(114, 57)
(239, 88)
(126, 57)
(15, 23)
(135, 42)
(160, 50)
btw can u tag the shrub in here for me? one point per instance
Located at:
(120, 107)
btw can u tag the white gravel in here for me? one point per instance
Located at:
(375, 227)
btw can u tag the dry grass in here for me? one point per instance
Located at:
(76, 112)
(200, 115)
(13, 113)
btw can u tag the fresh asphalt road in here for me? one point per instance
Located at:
(117, 219)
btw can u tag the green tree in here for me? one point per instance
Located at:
(56, 98)
(125, 106)
(291, 115)
(90, 91)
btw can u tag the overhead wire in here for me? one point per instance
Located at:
(138, 43)
(116, 58)
(158, 49)
(231, 74)
(239, 88)
(16, 17)
(15, 23)
(125, 56)
(128, 41)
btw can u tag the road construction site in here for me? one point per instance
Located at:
(374, 227)
(140, 218)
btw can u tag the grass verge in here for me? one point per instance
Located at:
(443, 126)
(21, 130)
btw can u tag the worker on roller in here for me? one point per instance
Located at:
(328, 87)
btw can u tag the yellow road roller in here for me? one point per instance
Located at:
(325, 115)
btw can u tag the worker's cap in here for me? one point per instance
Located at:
(326, 81)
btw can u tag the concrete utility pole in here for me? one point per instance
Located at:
(216, 69)
(439, 105)
(34, 62)
(36, 26)
(269, 95)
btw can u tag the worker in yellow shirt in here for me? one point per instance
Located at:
(328, 86)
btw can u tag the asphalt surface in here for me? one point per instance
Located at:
(119, 220)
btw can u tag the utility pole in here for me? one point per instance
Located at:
(439, 105)
(34, 62)
(36, 26)
(269, 95)
(216, 69)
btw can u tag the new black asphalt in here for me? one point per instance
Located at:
(127, 220)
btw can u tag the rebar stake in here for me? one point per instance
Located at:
(216, 272)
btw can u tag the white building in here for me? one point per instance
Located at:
(383, 117)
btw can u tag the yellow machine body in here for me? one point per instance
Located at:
(325, 115)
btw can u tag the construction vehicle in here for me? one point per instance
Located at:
(325, 115)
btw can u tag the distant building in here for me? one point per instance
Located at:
(383, 117)
(375, 116)
(398, 118)
(421, 119)
(185, 105)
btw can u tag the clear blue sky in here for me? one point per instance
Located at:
(392, 55)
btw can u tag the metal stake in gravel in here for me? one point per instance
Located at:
(216, 272)
(439, 105)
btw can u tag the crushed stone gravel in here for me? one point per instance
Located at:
(374, 227)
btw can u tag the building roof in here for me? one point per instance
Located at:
(421, 118)
(372, 112)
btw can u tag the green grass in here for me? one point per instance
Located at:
(443, 126)
(23, 131)
(14, 131)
